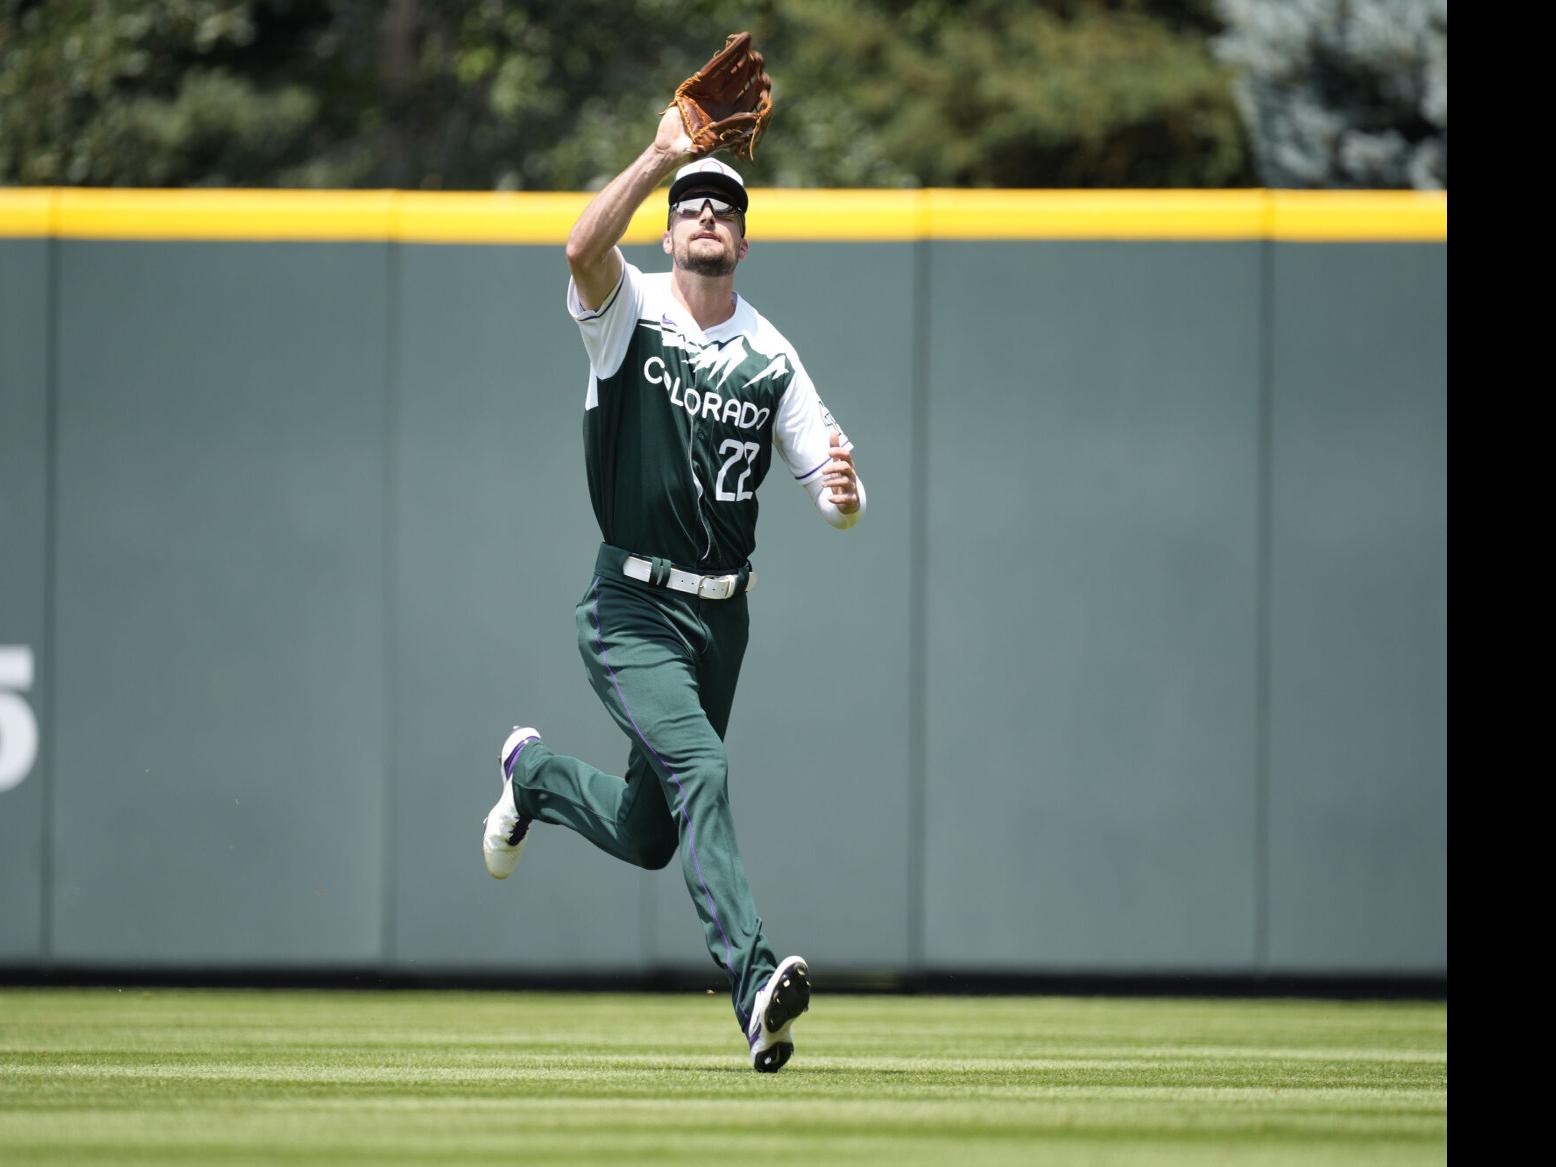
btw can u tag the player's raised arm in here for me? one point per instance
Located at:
(591, 246)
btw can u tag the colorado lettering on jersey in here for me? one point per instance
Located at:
(709, 403)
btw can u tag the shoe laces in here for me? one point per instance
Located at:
(520, 829)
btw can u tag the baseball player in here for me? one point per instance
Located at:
(690, 392)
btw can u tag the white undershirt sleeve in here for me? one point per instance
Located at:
(820, 495)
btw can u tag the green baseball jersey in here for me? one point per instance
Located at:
(680, 423)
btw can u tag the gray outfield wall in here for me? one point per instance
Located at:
(1137, 664)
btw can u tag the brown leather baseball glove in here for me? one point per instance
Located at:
(727, 103)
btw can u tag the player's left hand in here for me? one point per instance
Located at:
(671, 140)
(841, 478)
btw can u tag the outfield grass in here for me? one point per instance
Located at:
(227, 1077)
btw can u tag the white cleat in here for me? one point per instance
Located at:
(783, 998)
(502, 840)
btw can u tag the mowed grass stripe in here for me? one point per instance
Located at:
(238, 1077)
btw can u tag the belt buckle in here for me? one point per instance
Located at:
(714, 587)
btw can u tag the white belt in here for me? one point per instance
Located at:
(709, 587)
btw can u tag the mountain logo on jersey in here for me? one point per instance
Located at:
(778, 368)
(718, 361)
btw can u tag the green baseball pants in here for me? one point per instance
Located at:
(665, 665)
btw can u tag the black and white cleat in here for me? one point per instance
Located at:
(782, 999)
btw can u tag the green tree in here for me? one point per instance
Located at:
(1343, 93)
(987, 93)
(559, 94)
(189, 92)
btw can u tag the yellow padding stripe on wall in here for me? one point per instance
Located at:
(776, 215)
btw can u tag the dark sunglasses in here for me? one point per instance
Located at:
(692, 208)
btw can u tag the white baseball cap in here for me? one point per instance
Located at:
(711, 175)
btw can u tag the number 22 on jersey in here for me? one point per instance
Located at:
(736, 451)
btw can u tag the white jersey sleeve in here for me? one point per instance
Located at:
(802, 431)
(607, 330)
(802, 427)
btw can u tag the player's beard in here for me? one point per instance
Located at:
(704, 264)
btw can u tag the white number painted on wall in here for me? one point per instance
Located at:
(18, 726)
